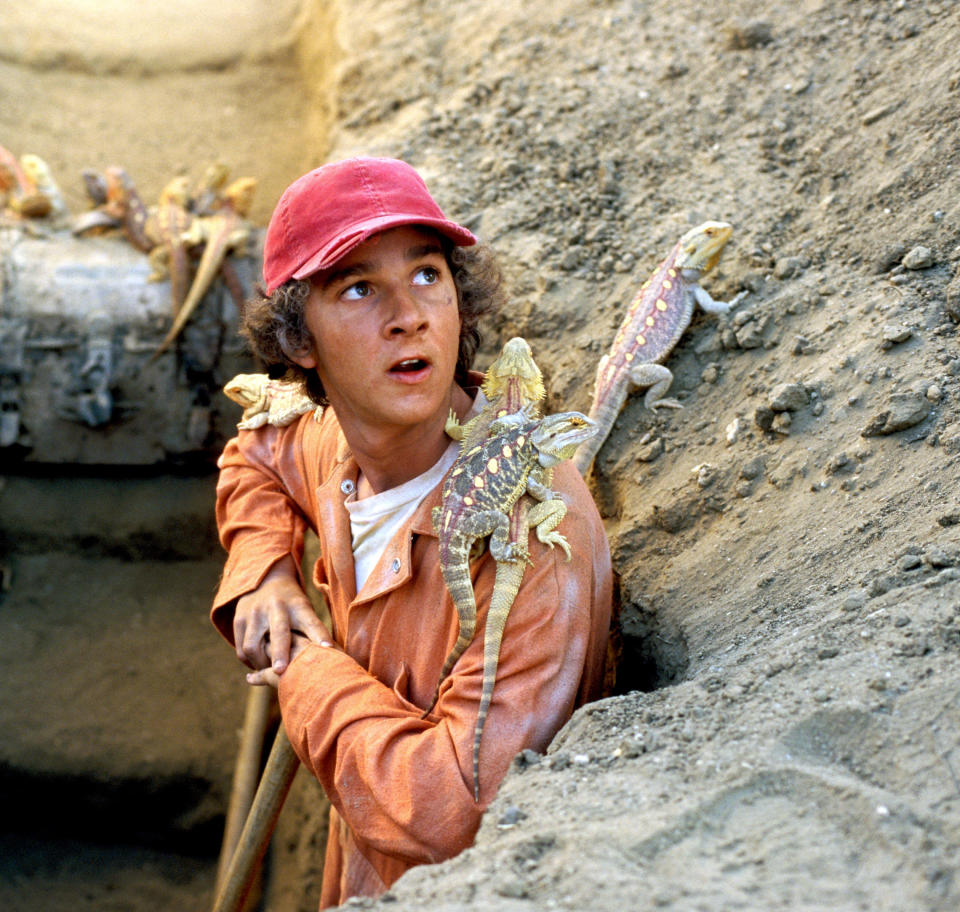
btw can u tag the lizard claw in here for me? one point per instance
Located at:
(516, 554)
(452, 427)
(555, 538)
(665, 403)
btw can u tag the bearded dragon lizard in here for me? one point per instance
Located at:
(19, 193)
(515, 459)
(265, 401)
(220, 233)
(127, 208)
(512, 382)
(654, 323)
(166, 227)
(208, 194)
(39, 174)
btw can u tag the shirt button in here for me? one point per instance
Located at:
(396, 565)
(347, 486)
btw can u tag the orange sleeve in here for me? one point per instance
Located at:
(403, 784)
(258, 517)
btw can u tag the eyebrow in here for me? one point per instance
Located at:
(338, 275)
(422, 250)
(416, 252)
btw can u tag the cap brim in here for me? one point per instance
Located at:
(330, 254)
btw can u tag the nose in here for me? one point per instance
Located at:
(407, 314)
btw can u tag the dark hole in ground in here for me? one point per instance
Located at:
(653, 654)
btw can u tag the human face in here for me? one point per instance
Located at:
(386, 329)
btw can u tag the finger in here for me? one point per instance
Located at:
(306, 621)
(254, 650)
(263, 677)
(279, 637)
(299, 642)
(239, 628)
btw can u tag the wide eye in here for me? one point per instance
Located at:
(357, 291)
(426, 275)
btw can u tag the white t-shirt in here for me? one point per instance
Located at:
(375, 519)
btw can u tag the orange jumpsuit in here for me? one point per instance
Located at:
(401, 786)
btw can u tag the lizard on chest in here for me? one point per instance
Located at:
(514, 460)
(512, 383)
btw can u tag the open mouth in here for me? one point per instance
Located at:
(409, 366)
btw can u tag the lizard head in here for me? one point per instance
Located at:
(246, 389)
(515, 363)
(558, 436)
(700, 247)
(36, 169)
(215, 176)
(239, 194)
(96, 186)
(120, 190)
(176, 191)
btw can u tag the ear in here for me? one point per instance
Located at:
(305, 358)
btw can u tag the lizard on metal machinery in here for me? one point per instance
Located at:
(654, 322)
(165, 227)
(226, 230)
(515, 459)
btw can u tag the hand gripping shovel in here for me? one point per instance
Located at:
(251, 821)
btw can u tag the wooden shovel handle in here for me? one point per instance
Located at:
(246, 775)
(262, 820)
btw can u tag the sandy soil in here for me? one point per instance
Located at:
(786, 732)
(161, 89)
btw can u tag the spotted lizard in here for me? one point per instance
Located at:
(208, 194)
(166, 225)
(515, 459)
(94, 185)
(21, 196)
(96, 220)
(266, 401)
(125, 205)
(220, 233)
(656, 319)
(41, 177)
(512, 382)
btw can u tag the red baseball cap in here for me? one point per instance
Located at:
(323, 215)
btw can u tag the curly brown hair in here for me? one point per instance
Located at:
(275, 327)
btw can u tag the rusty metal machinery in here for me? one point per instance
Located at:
(79, 324)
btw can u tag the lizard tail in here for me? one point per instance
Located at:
(213, 255)
(179, 274)
(605, 414)
(230, 278)
(457, 578)
(506, 586)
